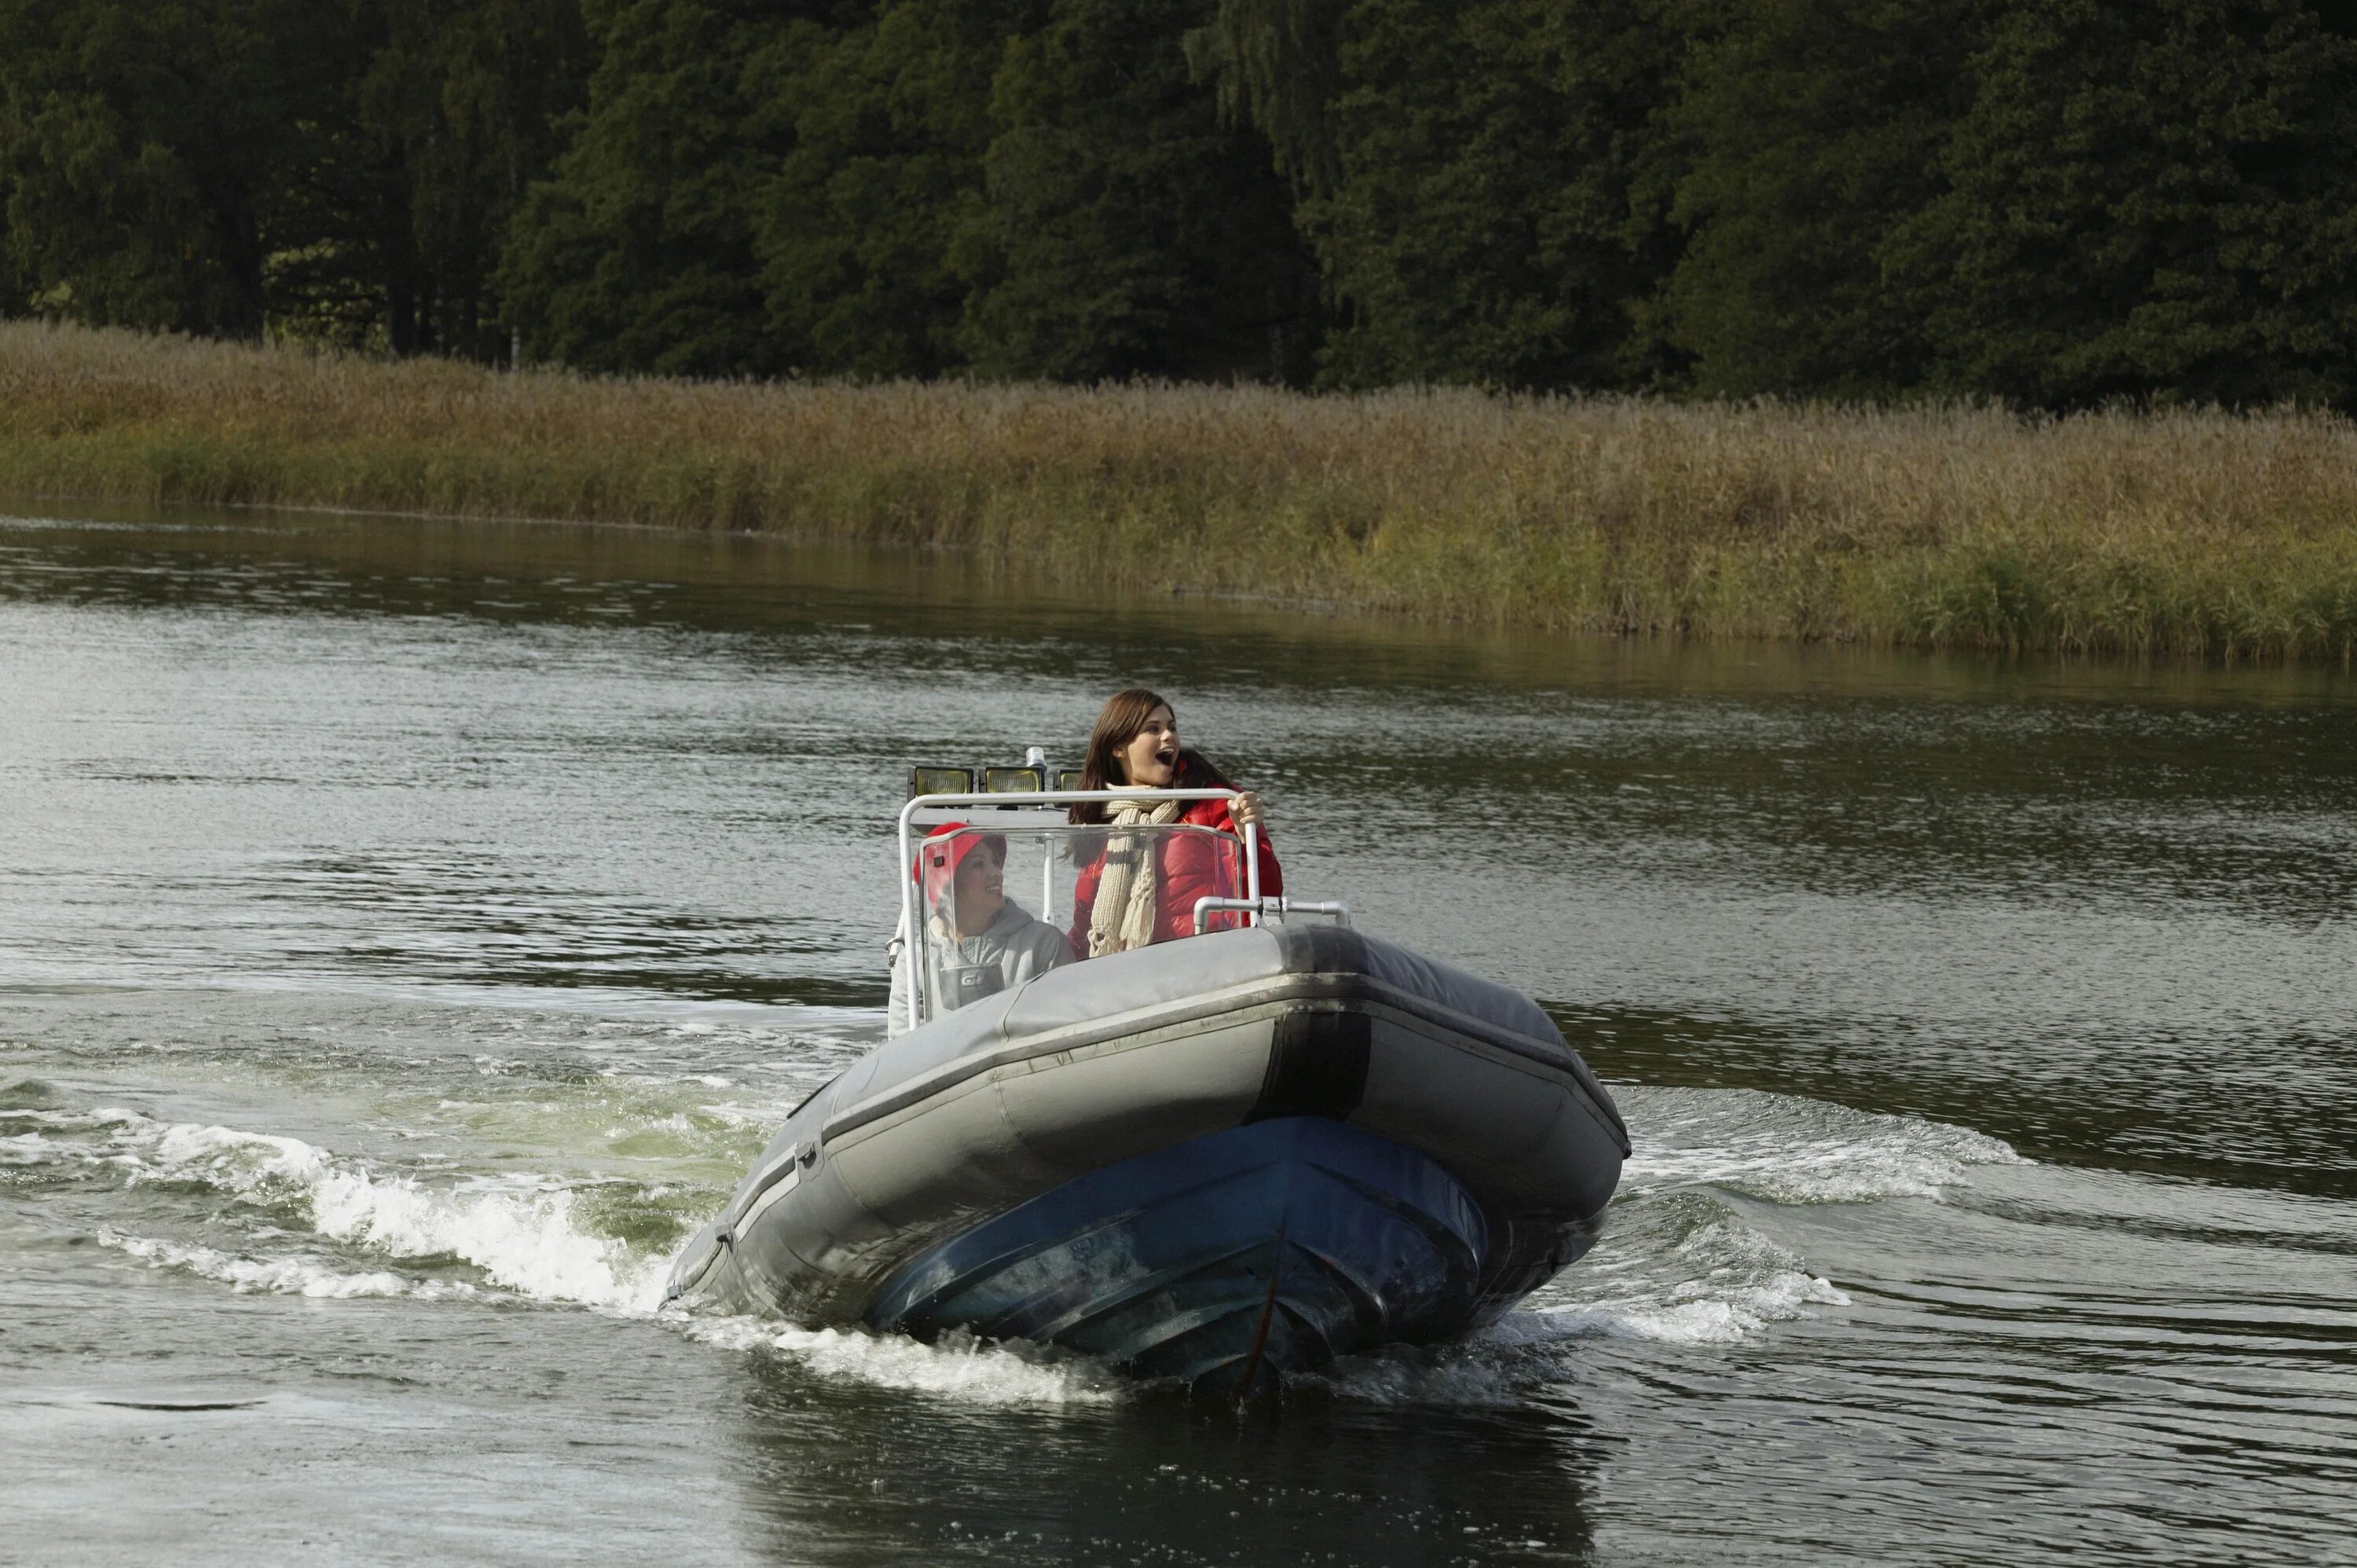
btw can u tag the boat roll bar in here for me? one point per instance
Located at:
(1250, 903)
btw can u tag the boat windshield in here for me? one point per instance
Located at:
(996, 905)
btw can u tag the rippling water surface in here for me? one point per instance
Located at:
(408, 932)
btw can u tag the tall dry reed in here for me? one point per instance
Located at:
(2175, 533)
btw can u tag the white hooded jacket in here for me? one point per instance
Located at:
(1014, 947)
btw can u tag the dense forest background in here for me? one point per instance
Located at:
(2054, 202)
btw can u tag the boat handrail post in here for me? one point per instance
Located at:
(1037, 756)
(1252, 871)
(1206, 907)
(919, 1010)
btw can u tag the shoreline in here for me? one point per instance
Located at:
(915, 549)
(2187, 534)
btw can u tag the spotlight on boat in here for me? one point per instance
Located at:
(1014, 780)
(940, 781)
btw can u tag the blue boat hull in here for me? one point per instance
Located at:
(1232, 1259)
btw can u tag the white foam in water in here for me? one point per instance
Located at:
(1721, 1284)
(521, 1234)
(526, 1241)
(1469, 1375)
(75, 1120)
(1787, 1150)
(278, 1276)
(26, 1149)
(956, 1367)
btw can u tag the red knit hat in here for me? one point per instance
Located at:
(937, 863)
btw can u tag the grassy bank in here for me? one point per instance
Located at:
(2172, 533)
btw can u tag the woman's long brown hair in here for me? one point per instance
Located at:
(1118, 722)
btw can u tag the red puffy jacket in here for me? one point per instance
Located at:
(1186, 867)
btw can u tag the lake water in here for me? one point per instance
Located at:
(408, 932)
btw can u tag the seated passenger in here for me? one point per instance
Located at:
(978, 940)
(1125, 896)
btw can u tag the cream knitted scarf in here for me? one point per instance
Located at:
(1122, 916)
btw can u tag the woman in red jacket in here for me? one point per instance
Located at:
(1135, 888)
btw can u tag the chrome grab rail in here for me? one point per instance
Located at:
(1256, 907)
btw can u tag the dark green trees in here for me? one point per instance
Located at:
(637, 253)
(1122, 229)
(342, 169)
(1803, 133)
(1014, 187)
(2056, 203)
(452, 109)
(1478, 214)
(146, 156)
(883, 121)
(2147, 201)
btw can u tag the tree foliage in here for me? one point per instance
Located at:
(2151, 200)
(638, 253)
(1123, 229)
(2057, 203)
(886, 119)
(1484, 222)
(339, 168)
(149, 165)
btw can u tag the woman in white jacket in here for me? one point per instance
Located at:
(978, 940)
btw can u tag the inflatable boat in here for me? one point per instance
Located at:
(1216, 1160)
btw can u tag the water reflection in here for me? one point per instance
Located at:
(1023, 618)
(445, 922)
(828, 1473)
(2197, 1103)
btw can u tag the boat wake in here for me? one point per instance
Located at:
(1682, 1261)
(277, 1276)
(522, 1236)
(1793, 1151)
(956, 1366)
(1685, 1260)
